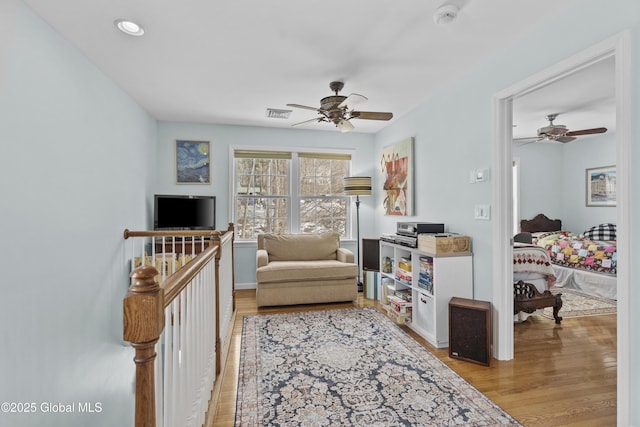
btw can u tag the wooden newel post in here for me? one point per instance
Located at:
(143, 323)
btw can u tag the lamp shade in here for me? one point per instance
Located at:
(357, 185)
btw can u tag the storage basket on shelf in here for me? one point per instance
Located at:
(444, 243)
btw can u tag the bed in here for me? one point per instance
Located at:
(586, 262)
(533, 277)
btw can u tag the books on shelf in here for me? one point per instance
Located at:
(405, 264)
(400, 305)
(425, 276)
(404, 294)
(404, 276)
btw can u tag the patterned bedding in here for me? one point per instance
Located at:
(533, 259)
(570, 250)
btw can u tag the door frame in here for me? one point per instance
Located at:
(617, 46)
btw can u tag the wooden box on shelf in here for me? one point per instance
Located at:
(444, 243)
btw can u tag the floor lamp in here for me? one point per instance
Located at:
(357, 186)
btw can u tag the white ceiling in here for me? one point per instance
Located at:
(582, 100)
(227, 62)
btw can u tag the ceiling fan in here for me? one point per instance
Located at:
(338, 109)
(559, 133)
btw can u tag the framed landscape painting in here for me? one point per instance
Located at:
(601, 186)
(396, 166)
(193, 162)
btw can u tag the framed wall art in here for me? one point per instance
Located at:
(396, 165)
(193, 165)
(601, 186)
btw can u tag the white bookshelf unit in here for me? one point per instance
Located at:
(429, 285)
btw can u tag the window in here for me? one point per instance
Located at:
(289, 192)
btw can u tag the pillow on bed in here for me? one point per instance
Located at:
(601, 232)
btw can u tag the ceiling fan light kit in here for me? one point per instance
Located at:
(446, 14)
(344, 126)
(338, 109)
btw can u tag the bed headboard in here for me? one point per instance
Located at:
(540, 223)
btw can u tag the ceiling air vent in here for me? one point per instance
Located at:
(274, 113)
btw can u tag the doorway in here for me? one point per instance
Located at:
(618, 48)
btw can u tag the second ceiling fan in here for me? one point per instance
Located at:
(558, 133)
(339, 109)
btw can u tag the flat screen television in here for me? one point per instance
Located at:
(184, 212)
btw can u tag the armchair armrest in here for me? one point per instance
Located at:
(262, 258)
(344, 255)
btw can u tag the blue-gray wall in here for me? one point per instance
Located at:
(222, 137)
(74, 173)
(553, 180)
(79, 159)
(453, 134)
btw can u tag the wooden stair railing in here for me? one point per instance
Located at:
(144, 311)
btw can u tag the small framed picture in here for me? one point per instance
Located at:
(601, 186)
(193, 165)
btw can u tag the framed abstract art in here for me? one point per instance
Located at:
(396, 165)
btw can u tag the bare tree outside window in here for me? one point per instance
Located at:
(323, 207)
(262, 196)
(264, 199)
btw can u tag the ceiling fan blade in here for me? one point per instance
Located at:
(526, 141)
(586, 132)
(531, 139)
(316, 119)
(371, 115)
(303, 106)
(353, 100)
(564, 138)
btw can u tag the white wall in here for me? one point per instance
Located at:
(73, 175)
(453, 134)
(222, 137)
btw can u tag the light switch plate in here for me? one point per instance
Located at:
(482, 212)
(482, 175)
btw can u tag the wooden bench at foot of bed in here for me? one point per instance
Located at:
(527, 298)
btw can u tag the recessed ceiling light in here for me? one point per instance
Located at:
(129, 27)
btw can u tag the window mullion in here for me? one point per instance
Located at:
(294, 193)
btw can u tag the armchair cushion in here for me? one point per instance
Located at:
(301, 247)
(262, 258)
(294, 271)
(345, 255)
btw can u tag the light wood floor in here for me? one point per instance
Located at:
(562, 375)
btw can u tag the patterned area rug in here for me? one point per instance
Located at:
(578, 304)
(350, 367)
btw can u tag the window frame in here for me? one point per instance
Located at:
(294, 197)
